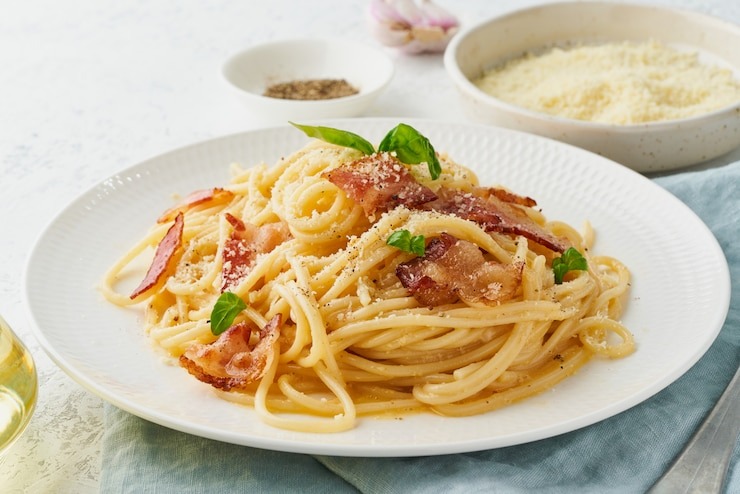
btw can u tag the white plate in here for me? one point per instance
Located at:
(676, 306)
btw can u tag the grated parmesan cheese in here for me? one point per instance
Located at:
(618, 83)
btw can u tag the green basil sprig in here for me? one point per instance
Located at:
(571, 260)
(403, 240)
(225, 310)
(338, 137)
(410, 146)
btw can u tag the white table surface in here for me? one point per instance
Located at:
(90, 87)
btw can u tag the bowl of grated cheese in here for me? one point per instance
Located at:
(650, 87)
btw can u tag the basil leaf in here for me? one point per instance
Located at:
(559, 268)
(571, 260)
(225, 310)
(402, 240)
(338, 137)
(412, 148)
(417, 245)
(575, 260)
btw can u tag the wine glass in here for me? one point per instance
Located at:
(18, 386)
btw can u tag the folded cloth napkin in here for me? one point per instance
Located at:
(625, 453)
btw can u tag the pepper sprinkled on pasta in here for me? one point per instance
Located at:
(345, 280)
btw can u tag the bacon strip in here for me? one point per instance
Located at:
(243, 246)
(230, 362)
(166, 249)
(494, 215)
(454, 269)
(214, 195)
(379, 183)
(506, 196)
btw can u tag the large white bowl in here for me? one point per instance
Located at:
(251, 71)
(648, 147)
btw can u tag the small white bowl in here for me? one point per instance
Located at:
(251, 71)
(648, 147)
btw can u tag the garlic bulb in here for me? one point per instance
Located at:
(411, 26)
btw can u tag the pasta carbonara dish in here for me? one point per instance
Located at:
(347, 280)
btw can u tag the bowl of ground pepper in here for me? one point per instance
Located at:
(307, 78)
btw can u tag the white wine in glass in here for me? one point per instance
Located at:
(18, 386)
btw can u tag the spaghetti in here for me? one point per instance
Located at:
(333, 322)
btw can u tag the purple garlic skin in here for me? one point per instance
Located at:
(411, 26)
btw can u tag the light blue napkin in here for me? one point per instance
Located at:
(623, 454)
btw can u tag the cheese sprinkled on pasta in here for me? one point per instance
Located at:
(332, 329)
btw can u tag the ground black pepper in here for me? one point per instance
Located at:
(311, 89)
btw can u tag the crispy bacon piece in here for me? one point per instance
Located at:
(494, 215)
(379, 183)
(454, 269)
(506, 196)
(166, 249)
(243, 246)
(230, 362)
(214, 195)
